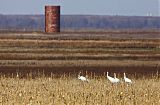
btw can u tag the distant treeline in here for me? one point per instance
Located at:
(36, 22)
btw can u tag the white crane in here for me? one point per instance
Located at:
(111, 79)
(127, 80)
(17, 75)
(82, 78)
(116, 79)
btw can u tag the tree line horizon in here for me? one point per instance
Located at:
(37, 22)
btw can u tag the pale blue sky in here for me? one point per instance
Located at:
(92, 7)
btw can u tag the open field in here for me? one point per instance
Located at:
(68, 90)
(84, 34)
(118, 51)
(41, 69)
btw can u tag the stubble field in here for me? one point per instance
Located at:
(118, 51)
(71, 91)
(41, 69)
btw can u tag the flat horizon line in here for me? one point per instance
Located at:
(81, 15)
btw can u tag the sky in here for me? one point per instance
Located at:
(84, 7)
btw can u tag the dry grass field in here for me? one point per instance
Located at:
(129, 51)
(68, 90)
(48, 64)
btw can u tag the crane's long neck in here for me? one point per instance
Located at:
(114, 75)
(107, 74)
(78, 76)
(124, 75)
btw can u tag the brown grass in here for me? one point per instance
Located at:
(36, 54)
(71, 91)
(77, 56)
(98, 50)
(77, 63)
(78, 44)
(89, 51)
(84, 34)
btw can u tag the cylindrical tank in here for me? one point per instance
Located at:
(52, 19)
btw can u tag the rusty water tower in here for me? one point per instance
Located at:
(52, 19)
